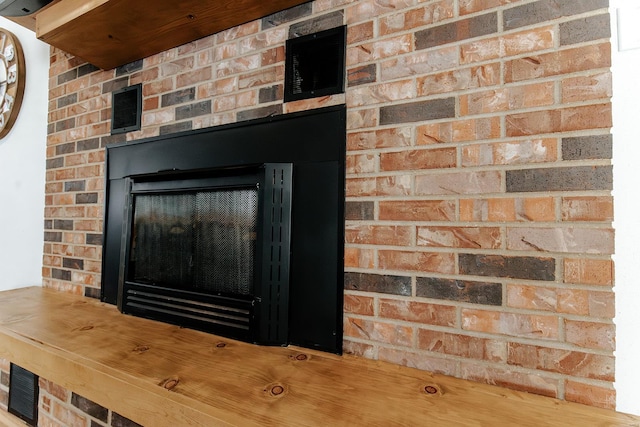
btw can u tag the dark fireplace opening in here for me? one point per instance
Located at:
(236, 230)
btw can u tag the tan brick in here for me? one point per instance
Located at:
(568, 240)
(361, 163)
(429, 14)
(363, 118)
(357, 304)
(460, 237)
(432, 262)
(381, 93)
(538, 39)
(471, 6)
(358, 349)
(586, 303)
(379, 49)
(531, 383)
(537, 209)
(589, 394)
(368, 9)
(588, 271)
(389, 333)
(422, 62)
(532, 297)
(379, 235)
(587, 208)
(508, 153)
(459, 79)
(511, 324)
(592, 335)
(462, 345)
(458, 183)
(417, 210)
(360, 32)
(562, 361)
(412, 311)
(418, 360)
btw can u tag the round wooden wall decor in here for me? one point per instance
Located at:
(12, 79)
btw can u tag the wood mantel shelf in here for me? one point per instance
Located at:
(162, 375)
(110, 33)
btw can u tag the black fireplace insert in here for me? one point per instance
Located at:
(236, 230)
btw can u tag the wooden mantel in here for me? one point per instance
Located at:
(110, 33)
(161, 375)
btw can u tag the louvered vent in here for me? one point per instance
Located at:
(23, 394)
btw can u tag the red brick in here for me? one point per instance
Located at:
(388, 333)
(458, 131)
(588, 271)
(587, 208)
(567, 61)
(592, 335)
(584, 88)
(362, 118)
(379, 235)
(357, 304)
(379, 186)
(586, 303)
(462, 345)
(511, 324)
(589, 394)
(562, 361)
(472, 6)
(560, 120)
(538, 39)
(358, 258)
(412, 311)
(360, 32)
(417, 210)
(510, 98)
(432, 262)
(384, 138)
(55, 390)
(358, 349)
(460, 237)
(567, 240)
(418, 159)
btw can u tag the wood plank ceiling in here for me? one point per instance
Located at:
(110, 33)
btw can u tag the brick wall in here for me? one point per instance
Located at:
(479, 210)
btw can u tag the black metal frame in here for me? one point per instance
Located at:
(24, 391)
(314, 143)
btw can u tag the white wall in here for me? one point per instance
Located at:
(22, 172)
(626, 184)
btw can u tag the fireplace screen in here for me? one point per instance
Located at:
(202, 241)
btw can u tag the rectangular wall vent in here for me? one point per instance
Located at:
(126, 109)
(315, 65)
(23, 394)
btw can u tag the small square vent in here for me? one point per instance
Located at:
(315, 65)
(126, 109)
(23, 394)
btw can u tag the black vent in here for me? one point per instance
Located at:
(315, 65)
(126, 109)
(23, 394)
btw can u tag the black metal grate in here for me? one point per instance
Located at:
(203, 241)
(23, 394)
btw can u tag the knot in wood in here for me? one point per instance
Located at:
(277, 390)
(302, 356)
(433, 390)
(141, 349)
(221, 344)
(86, 328)
(170, 383)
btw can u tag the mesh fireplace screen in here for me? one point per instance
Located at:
(201, 241)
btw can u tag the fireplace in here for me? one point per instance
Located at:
(236, 230)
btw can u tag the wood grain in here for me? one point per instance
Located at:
(162, 375)
(110, 33)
